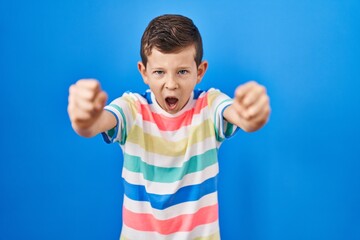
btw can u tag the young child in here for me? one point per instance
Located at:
(170, 135)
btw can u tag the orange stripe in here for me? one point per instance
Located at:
(174, 123)
(181, 223)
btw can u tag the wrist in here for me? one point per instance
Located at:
(84, 129)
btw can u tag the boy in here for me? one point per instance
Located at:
(169, 135)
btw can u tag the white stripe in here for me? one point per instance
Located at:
(170, 188)
(168, 161)
(173, 211)
(139, 97)
(200, 231)
(120, 123)
(220, 122)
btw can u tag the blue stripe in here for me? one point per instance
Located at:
(229, 131)
(107, 138)
(197, 93)
(147, 96)
(161, 202)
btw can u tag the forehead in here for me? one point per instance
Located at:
(184, 57)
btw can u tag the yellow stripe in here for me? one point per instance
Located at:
(212, 95)
(215, 236)
(132, 103)
(162, 146)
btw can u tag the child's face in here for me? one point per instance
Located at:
(172, 77)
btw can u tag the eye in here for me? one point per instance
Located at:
(158, 72)
(183, 72)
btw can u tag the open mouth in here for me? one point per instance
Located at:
(171, 102)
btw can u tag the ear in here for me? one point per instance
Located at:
(201, 71)
(142, 70)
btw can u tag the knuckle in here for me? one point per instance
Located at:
(88, 83)
(80, 81)
(247, 100)
(72, 89)
(93, 84)
(92, 94)
(267, 99)
(253, 83)
(262, 89)
(252, 112)
(69, 110)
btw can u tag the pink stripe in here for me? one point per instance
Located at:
(181, 223)
(172, 124)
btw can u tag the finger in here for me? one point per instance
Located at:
(242, 90)
(80, 91)
(252, 96)
(262, 116)
(88, 87)
(257, 107)
(91, 84)
(78, 114)
(100, 100)
(257, 122)
(77, 100)
(71, 93)
(85, 105)
(240, 109)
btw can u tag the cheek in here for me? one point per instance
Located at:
(193, 82)
(188, 89)
(155, 86)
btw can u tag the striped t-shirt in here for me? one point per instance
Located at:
(170, 165)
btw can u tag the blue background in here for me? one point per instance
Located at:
(297, 178)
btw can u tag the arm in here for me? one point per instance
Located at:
(250, 109)
(86, 108)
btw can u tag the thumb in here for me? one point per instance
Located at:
(100, 100)
(240, 109)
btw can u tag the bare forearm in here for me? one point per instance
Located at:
(103, 123)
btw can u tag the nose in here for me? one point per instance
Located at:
(171, 83)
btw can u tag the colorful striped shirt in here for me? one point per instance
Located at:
(170, 165)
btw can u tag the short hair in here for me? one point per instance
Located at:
(170, 33)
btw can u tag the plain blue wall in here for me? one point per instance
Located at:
(297, 178)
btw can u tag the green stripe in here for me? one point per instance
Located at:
(229, 129)
(168, 175)
(217, 133)
(123, 130)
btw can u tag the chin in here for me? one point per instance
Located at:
(172, 111)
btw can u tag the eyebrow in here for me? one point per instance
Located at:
(177, 68)
(183, 67)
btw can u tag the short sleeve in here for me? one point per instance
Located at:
(218, 102)
(123, 108)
